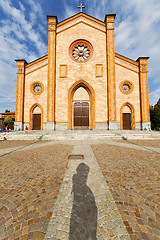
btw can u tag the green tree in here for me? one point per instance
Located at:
(7, 111)
(155, 116)
(8, 119)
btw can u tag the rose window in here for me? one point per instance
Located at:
(126, 87)
(81, 53)
(37, 88)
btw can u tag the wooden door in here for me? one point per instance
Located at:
(127, 121)
(36, 121)
(81, 115)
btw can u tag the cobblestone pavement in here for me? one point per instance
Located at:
(45, 196)
(15, 143)
(85, 210)
(133, 179)
(29, 185)
(147, 143)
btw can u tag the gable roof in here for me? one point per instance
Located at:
(80, 14)
(78, 18)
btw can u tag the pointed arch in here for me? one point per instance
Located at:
(31, 115)
(90, 90)
(132, 114)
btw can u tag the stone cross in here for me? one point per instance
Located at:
(81, 7)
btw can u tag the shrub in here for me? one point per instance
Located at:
(8, 119)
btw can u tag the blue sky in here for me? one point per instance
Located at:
(23, 34)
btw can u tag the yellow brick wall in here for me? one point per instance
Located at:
(81, 95)
(123, 74)
(39, 75)
(81, 71)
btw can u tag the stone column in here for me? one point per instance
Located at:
(19, 112)
(51, 87)
(111, 83)
(144, 93)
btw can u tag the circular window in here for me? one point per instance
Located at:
(81, 51)
(36, 88)
(126, 87)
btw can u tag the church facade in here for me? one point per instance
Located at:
(82, 83)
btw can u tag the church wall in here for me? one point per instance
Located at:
(63, 73)
(83, 71)
(39, 75)
(81, 95)
(124, 74)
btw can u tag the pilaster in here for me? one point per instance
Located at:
(144, 93)
(111, 83)
(51, 87)
(19, 112)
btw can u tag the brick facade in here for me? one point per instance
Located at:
(101, 77)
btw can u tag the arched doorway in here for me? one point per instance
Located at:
(36, 117)
(81, 109)
(127, 116)
(81, 106)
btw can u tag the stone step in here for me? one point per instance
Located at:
(78, 135)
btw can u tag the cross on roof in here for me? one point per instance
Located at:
(81, 7)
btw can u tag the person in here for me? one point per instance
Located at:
(26, 129)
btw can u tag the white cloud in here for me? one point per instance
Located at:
(18, 39)
(7, 86)
(69, 10)
(137, 31)
(17, 17)
(154, 96)
(36, 10)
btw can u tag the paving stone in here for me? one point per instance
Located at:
(126, 198)
(154, 143)
(30, 181)
(87, 204)
(133, 178)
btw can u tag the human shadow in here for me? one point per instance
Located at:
(83, 221)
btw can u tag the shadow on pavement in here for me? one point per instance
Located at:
(83, 222)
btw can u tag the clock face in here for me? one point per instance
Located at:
(81, 51)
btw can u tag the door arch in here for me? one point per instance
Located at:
(81, 109)
(126, 109)
(72, 90)
(36, 114)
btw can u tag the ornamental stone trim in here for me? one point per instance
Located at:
(126, 64)
(19, 98)
(126, 87)
(36, 88)
(81, 19)
(36, 66)
(81, 51)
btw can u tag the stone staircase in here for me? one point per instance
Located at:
(80, 135)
